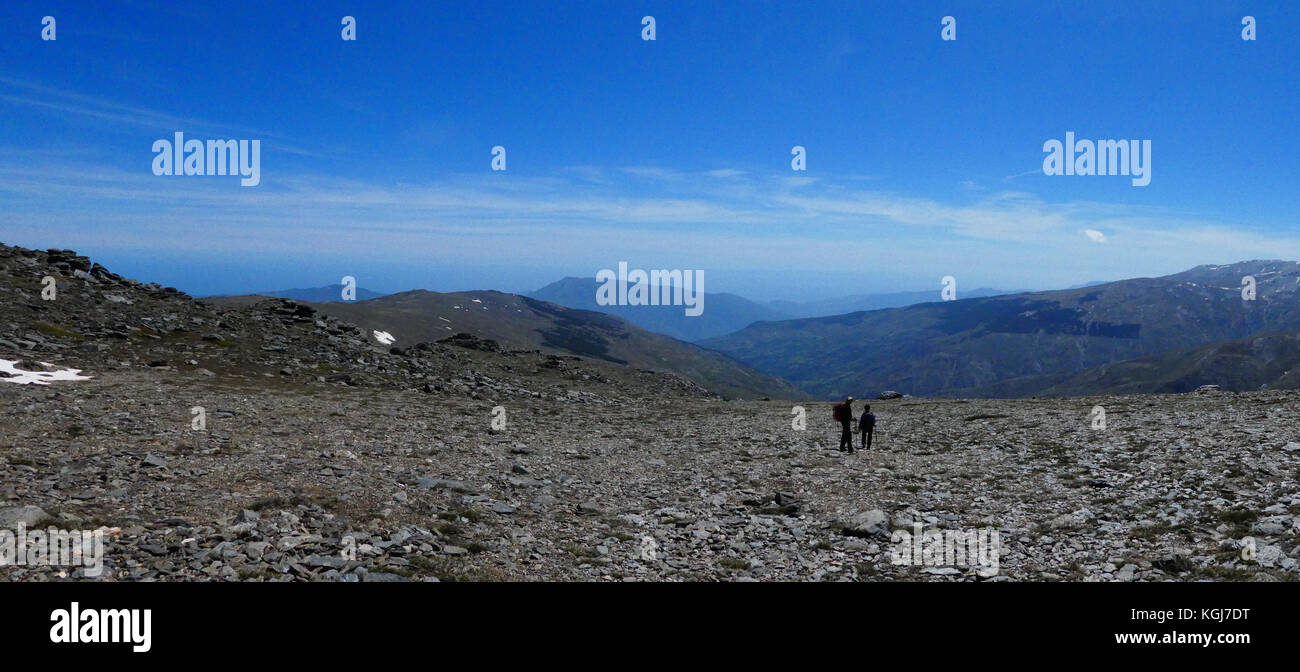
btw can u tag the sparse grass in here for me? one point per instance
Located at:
(1070, 480)
(275, 502)
(251, 574)
(1150, 532)
(1238, 515)
(93, 522)
(733, 563)
(1221, 573)
(614, 522)
(579, 551)
(1239, 518)
(1227, 555)
(467, 513)
(325, 500)
(450, 569)
(446, 569)
(787, 510)
(56, 331)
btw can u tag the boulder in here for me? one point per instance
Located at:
(873, 523)
(29, 516)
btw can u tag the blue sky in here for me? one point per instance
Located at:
(924, 156)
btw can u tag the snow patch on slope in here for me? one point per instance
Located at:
(10, 373)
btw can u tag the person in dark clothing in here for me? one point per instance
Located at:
(867, 426)
(846, 422)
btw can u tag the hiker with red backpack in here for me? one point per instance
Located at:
(844, 415)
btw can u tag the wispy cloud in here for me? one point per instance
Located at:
(587, 215)
(116, 115)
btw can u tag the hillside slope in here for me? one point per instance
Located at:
(101, 323)
(524, 323)
(970, 346)
(860, 302)
(1263, 361)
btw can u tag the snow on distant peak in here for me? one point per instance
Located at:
(10, 373)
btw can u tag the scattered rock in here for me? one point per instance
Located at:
(28, 515)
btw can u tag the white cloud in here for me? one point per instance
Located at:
(117, 115)
(590, 215)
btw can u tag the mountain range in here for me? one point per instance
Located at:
(1166, 334)
(859, 302)
(725, 313)
(520, 322)
(326, 294)
(1055, 342)
(262, 440)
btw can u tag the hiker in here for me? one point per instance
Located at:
(867, 426)
(844, 416)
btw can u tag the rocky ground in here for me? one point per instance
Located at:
(425, 488)
(327, 456)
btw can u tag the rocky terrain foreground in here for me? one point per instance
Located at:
(326, 455)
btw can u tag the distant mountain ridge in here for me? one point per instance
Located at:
(723, 313)
(859, 302)
(1143, 335)
(1033, 343)
(520, 322)
(326, 294)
